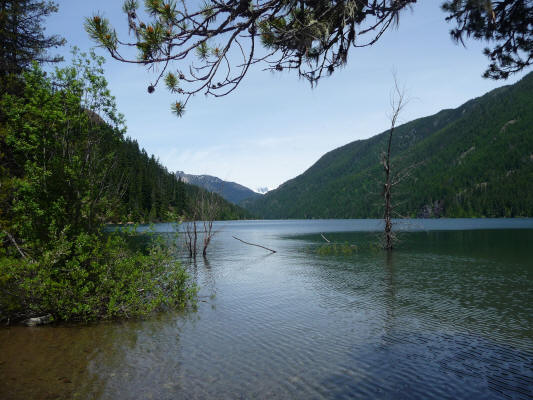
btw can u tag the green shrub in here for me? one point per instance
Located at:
(93, 276)
(337, 249)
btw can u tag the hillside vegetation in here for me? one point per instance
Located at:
(472, 161)
(151, 192)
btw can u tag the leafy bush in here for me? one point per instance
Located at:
(93, 276)
(337, 249)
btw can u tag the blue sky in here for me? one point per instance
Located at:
(274, 126)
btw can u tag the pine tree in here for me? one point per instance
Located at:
(22, 38)
(313, 38)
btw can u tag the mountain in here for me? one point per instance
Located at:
(231, 191)
(472, 161)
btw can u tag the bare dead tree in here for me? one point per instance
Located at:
(191, 236)
(205, 208)
(209, 208)
(397, 101)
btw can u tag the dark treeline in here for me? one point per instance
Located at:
(151, 191)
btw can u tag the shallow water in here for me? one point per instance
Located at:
(448, 315)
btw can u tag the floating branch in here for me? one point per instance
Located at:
(251, 244)
(323, 237)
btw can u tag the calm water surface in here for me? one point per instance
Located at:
(449, 315)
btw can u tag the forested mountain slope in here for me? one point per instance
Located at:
(151, 191)
(475, 160)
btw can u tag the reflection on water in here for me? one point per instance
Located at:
(448, 315)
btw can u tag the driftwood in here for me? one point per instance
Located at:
(251, 244)
(323, 237)
(45, 319)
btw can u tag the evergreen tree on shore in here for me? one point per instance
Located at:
(22, 38)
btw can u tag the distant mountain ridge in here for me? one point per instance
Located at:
(231, 191)
(472, 161)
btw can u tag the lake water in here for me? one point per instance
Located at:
(448, 315)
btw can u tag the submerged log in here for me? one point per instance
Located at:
(252, 244)
(45, 319)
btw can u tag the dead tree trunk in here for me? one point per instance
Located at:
(209, 208)
(191, 236)
(204, 208)
(397, 101)
(195, 237)
(208, 234)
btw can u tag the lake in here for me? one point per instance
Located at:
(447, 315)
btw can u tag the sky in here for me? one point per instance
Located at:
(274, 126)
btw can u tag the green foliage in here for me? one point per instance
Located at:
(178, 108)
(59, 153)
(150, 192)
(93, 276)
(130, 6)
(66, 171)
(65, 150)
(22, 38)
(207, 12)
(505, 25)
(473, 161)
(172, 81)
(99, 29)
(310, 37)
(336, 249)
(202, 51)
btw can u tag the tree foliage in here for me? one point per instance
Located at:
(22, 38)
(506, 24)
(67, 170)
(151, 192)
(310, 36)
(59, 152)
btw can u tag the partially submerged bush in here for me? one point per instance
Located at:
(93, 276)
(337, 249)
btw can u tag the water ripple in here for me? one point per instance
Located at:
(437, 320)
